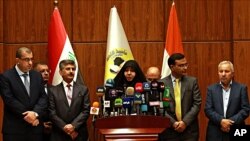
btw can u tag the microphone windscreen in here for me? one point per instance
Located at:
(166, 97)
(109, 83)
(154, 85)
(95, 104)
(137, 98)
(146, 86)
(144, 108)
(139, 87)
(161, 86)
(119, 91)
(118, 102)
(126, 102)
(130, 91)
(112, 93)
(100, 91)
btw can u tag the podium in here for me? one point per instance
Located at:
(133, 128)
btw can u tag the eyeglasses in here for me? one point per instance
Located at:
(27, 59)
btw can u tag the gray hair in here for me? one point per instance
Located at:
(227, 62)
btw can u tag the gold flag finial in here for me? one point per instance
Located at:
(56, 3)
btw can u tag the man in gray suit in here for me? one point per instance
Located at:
(227, 104)
(69, 106)
(184, 104)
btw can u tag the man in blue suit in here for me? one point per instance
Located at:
(227, 104)
(25, 101)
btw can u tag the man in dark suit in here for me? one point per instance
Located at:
(69, 106)
(45, 72)
(24, 98)
(227, 104)
(184, 104)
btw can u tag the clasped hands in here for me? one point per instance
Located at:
(31, 118)
(179, 126)
(70, 130)
(225, 125)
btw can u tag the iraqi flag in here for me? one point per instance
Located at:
(59, 48)
(173, 41)
(118, 49)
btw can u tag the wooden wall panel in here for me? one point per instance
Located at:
(241, 22)
(142, 20)
(203, 20)
(242, 64)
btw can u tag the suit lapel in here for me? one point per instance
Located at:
(184, 84)
(62, 93)
(220, 96)
(75, 93)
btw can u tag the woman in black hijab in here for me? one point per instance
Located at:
(129, 75)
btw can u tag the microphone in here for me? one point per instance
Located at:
(154, 97)
(138, 96)
(130, 92)
(166, 97)
(118, 105)
(126, 103)
(137, 102)
(144, 109)
(94, 110)
(109, 84)
(139, 87)
(100, 91)
(113, 96)
(119, 92)
(146, 89)
(161, 88)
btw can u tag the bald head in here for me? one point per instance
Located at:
(153, 73)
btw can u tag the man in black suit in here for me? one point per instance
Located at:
(45, 72)
(69, 106)
(24, 98)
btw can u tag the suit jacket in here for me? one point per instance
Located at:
(76, 114)
(16, 101)
(190, 107)
(237, 110)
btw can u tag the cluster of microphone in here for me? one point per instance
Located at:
(145, 98)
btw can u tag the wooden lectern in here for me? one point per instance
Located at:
(132, 128)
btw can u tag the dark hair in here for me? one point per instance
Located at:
(65, 62)
(120, 79)
(21, 50)
(37, 64)
(173, 57)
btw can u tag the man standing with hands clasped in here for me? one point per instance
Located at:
(69, 106)
(227, 104)
(25, 101)
(184, 104)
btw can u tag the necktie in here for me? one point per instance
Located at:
(68, 93)
(177, 95)
(26, 82)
